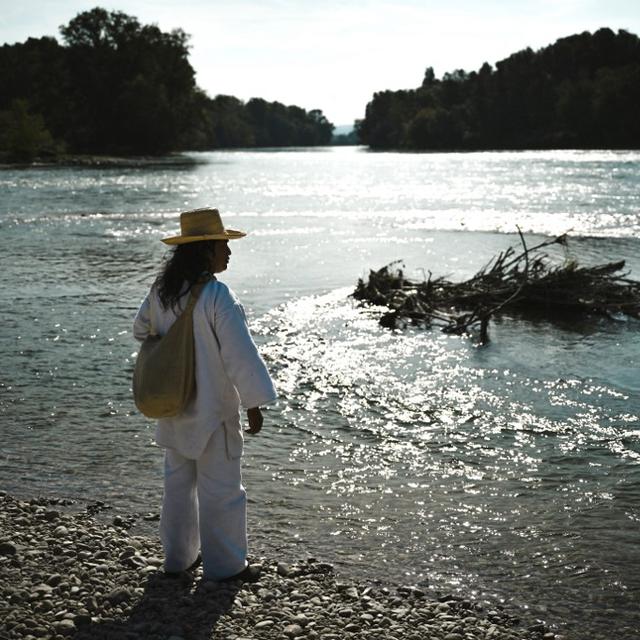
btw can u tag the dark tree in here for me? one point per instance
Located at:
(116, 86)
(132, 85)
(582, 91)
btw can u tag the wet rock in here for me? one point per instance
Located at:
(283, 569)
(8, 549)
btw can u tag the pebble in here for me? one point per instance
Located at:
(41, 589)
(64, 626)
(293, 630)
(264, 623)
(54, 580)
(117, 596)
(8, 549)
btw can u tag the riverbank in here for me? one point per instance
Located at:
(98, 161)
(65, 571)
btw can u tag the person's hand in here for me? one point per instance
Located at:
(254, 416)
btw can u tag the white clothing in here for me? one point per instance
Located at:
(204, 503)
(204, 506)
(229, 369)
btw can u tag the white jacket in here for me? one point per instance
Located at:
(226, 375)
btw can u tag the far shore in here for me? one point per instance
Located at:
(93, 161)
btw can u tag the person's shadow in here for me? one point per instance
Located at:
(168, 607)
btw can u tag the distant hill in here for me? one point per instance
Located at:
(343, 129)
(583, 91)
(345, 135)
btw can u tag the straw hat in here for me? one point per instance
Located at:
(202, 224)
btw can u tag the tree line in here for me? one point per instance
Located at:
(116, 86)
(583, 91)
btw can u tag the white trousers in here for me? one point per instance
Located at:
(205, 508)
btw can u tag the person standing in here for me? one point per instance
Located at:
(204, 503)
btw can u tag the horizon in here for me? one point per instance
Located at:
(330, 57)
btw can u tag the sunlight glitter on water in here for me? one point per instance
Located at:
(510, 471)
(423, 413)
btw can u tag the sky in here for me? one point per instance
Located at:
(334, 54)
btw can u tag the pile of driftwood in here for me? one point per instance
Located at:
(525, 282)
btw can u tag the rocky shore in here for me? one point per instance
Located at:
(67, 572)
(104, 161)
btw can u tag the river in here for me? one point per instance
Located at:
(509, 472)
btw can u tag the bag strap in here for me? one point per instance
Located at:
(196, 290)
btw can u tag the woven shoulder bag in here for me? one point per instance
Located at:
(164, 379)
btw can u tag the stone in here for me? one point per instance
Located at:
(51, 515)
(44, 606)
(54, 579)
(283, 569)
(65, 627)
(537, 628)
(301, 619)
(293, 630)
(264, 623)
(42, 589)
(8, 549)
(61, 531)
(82, 620)
(118, 596)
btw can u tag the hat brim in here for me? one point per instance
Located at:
(229, 234)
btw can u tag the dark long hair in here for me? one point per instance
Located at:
(187, 263)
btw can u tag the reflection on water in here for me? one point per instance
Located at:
(510, 471)
(425, 459)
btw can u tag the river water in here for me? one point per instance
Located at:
(509, 472)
